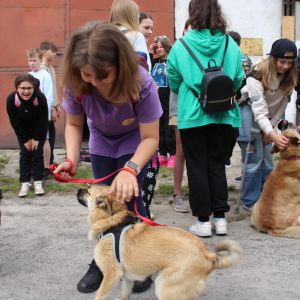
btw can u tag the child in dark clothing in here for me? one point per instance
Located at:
(167, 140)
(28, 114)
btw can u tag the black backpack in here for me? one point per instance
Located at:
(217, 88)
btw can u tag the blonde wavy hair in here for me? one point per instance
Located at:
(99, 45)
(267, 70)
(125, 13)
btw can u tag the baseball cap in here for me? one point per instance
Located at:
(281, 46)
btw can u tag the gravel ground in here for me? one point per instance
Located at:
(44, 249)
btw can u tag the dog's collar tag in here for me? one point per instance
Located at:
(295, 158)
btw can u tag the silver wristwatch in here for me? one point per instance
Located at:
(133, 166)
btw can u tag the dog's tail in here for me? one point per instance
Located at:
(231, 259)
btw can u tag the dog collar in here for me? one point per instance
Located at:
(295, 158)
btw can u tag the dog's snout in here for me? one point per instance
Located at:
(80, 196)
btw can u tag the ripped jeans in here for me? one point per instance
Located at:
(260, 161)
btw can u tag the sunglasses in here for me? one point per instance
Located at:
(160, 37)
(23, 89)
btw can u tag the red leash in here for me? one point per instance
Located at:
(91, 181)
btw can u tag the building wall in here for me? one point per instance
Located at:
(251, 19)
(26, 23)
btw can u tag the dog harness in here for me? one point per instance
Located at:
(117, 234)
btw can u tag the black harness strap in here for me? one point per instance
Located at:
(116, 234)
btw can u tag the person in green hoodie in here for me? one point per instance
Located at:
(205, 137)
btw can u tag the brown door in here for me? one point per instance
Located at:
(26, 23)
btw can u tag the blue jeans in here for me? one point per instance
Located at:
(103, 166)
(260, 161)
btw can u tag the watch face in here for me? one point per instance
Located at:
(132, 164)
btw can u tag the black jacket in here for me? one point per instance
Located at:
(27, 120)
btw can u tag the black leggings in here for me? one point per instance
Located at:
(32, 160)
(206, 150)
(167, 139)
(149, 184)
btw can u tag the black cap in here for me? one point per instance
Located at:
(281, 46)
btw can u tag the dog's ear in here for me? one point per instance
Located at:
(294, 140)
(102, 203)
(274, 149)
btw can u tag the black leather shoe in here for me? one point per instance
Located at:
(91, 281)
(142, 286)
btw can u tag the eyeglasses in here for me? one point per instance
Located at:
(160, 37)
(23, 89)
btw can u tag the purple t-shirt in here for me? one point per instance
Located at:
(114, 130)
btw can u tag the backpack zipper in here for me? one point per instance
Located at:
(205, 100)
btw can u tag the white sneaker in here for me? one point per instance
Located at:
(151, 216)
(24, 189)
(201, 230)
(38, 188)
(220, 227)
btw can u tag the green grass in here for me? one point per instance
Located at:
(84, 173)
(231, 187)
(276, 157)
(2, 166)
(168, 189)
(165, 172)
(12, 186)
(3, 160)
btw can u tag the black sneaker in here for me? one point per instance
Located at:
(238, 179)
(91, 281)
(46, 174)
(142, 286)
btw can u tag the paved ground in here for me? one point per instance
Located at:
(44, 249)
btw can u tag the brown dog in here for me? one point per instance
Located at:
(277, 211)
(181, 258)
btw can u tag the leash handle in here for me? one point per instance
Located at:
(91, 181)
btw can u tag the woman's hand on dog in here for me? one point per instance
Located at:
(126, 185)
(280, 141)
(61, 170)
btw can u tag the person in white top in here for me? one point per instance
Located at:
(125, 15)
(35, 58)
(268, 90)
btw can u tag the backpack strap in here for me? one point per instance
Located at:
(226, 46)
(79, 98)
(133, 100)
(18, 102)
(192, 54)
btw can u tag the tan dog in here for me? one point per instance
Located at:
(181, 258)
(277, 211)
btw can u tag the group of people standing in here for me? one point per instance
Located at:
(109, 75)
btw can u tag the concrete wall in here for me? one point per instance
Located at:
(252, 19)
(297, 21)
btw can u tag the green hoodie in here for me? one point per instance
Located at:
(184, 73)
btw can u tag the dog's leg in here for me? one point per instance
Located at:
(109, 280)
(291, 232)
(126, 288)
(110, 267)
(179, 284)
